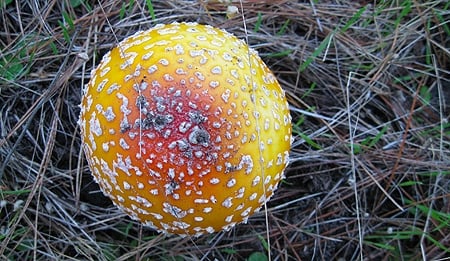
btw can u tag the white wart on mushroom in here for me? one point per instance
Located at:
(183, 125)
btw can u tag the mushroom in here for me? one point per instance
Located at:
(185, 128)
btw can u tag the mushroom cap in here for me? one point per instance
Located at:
(185, 128)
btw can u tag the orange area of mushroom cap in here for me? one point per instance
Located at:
(185, 128)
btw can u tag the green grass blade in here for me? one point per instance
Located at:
(68, 20)
(353, 19)
(279, 54)
(150, 9)
(283, 27)
(258, 22)
(323, 45)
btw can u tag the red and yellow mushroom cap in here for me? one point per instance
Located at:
(185, 128)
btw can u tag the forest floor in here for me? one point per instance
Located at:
(368, 84)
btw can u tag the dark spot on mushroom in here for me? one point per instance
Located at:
(171, 186)
(141, 101)
(124, 127)
(145, 124)
(231, 168)
(160, 121)
(160, 104)
(157, 121)
(199, 137)
(174, 185)
(188, 154)
(197, 117)
(183, 145)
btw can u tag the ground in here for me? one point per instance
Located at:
(369, 92)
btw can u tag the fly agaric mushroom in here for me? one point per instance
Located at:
(185, 128)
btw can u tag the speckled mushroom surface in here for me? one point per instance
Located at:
(185, 128)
